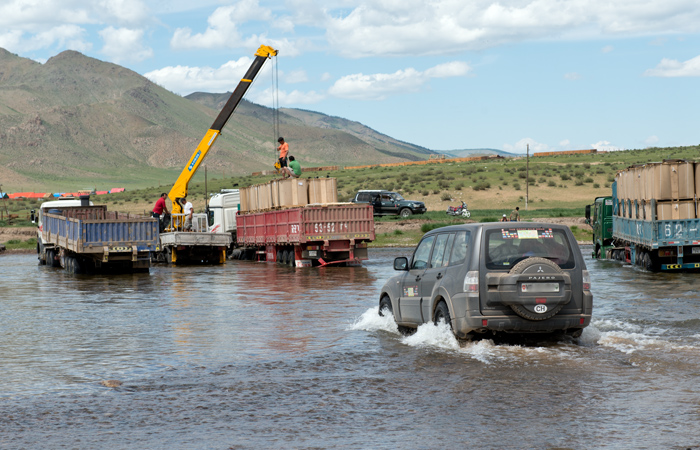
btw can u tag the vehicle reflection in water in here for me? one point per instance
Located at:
(250, 355)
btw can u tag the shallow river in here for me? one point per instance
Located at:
(253, 355)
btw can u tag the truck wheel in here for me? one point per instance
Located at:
(442, 313)
(291, 258)
(405, 212)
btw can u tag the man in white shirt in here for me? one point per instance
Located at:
(188, 209)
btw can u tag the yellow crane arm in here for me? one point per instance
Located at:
(179, 189)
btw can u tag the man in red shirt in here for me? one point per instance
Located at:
(160, 208)
(283, 149)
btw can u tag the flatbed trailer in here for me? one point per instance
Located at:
(90, 239)
(312, 235)
(193, 247)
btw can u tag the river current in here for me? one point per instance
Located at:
(255, 355)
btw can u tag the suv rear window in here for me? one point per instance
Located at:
(363, 197)
(506, 246)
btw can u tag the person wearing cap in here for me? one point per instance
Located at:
(504, 218)
(283, 149)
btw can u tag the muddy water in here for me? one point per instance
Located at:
(252, 355)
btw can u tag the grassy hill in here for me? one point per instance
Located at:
(77, 122)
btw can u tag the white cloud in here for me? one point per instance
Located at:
(123, 44)
(379, 86)
(572, 76)
(415, 27)
(605, 146)
(564, 144)
(223, 27)
(675, 68)
(43, 24)
(651, 141)
(64, 37)
(521, 146)
(607, 49)
(264, 97)
(185, 80)
(326, 76)
(296, 76)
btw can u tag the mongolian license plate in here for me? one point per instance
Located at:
(539, 287)
(313, 253)
(695, 250)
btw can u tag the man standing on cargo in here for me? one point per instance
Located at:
(159, 209)
(515, 214)
(188, 209)
(283, 149)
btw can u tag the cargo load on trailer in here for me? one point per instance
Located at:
(86, 238)
(294, 221)
(651, 219)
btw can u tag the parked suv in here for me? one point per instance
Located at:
(489, 278)
(389, 203)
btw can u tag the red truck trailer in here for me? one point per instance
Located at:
(312, 235)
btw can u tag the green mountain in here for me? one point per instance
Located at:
(77, 122)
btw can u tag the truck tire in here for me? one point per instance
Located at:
(291, 258)
(405, 212)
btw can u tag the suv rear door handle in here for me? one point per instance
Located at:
(418, 278)
(439, 275)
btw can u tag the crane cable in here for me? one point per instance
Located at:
(275, 103)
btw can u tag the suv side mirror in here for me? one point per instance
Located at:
(33, 216)
(401, 263)
(588, 214)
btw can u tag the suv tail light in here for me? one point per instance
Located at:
(471, 281)
(586, 280)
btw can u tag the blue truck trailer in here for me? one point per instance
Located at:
(631, 231)
(86, 238)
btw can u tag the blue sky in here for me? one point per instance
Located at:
(444, 74)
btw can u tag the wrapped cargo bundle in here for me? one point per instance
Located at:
(323, 190)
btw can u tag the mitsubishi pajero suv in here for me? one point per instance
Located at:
(490, 278)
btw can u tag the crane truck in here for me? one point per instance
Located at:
(176, 245)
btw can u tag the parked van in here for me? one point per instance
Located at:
(489, 278)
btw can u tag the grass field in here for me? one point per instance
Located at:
(554, 186)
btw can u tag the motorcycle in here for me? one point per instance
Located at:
(459, 210)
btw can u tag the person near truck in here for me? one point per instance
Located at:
(294, 168)
(515, 215)
(283, 149)
(188, 209)
(504, 218)
(159, 209)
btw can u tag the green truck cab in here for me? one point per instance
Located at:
(602, 224)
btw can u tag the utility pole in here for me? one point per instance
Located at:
(527, 177)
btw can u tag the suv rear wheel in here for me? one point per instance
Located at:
(442, 313)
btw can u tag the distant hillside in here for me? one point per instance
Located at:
(78, 122)
(466, 153)
(333, 129)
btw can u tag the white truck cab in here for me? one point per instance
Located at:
(223, 208)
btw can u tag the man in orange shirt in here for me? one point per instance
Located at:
(283, 149)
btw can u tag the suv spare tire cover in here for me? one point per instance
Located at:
(527, 311)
